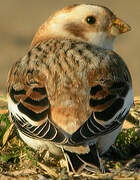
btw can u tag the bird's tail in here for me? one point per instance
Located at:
(89, 161)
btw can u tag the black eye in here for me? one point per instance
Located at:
(90, 20)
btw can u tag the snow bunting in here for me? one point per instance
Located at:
(71, 92)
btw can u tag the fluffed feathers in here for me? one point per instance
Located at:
(69, 94)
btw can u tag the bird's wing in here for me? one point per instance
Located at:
(111, 98)
(28, 102)
(104, 74)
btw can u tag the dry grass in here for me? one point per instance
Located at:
(18, 161)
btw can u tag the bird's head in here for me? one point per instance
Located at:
(90, 23)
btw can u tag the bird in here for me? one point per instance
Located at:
(71, 92)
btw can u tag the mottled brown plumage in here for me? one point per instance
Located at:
(67, 93)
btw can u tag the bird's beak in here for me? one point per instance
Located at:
(119, 26)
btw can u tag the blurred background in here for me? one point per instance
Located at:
(19, 21)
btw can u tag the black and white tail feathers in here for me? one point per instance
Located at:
(89, 161)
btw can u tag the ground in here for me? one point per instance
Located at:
(18, 161)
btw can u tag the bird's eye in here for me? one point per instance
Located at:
(90, 20)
